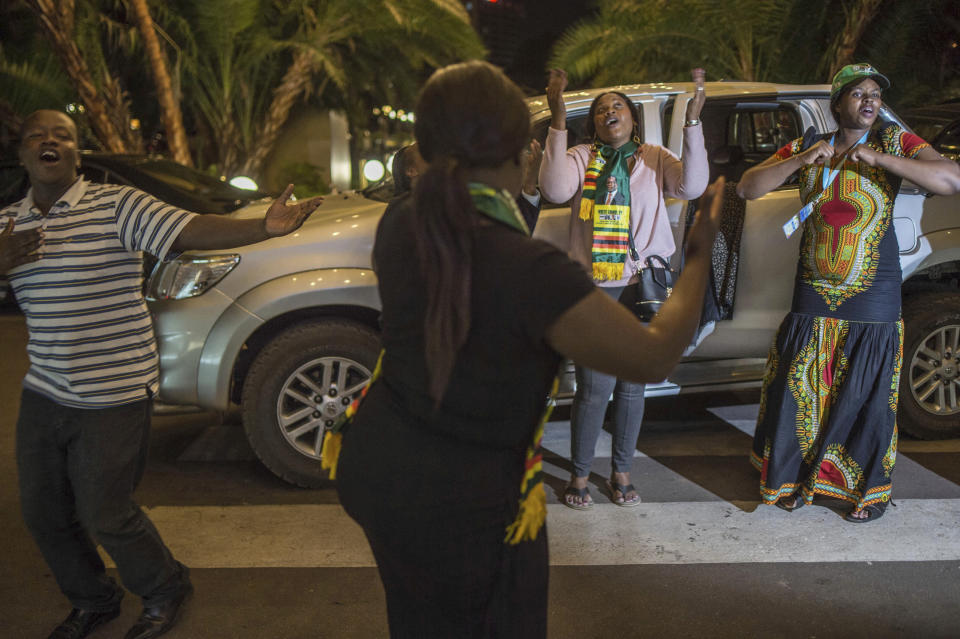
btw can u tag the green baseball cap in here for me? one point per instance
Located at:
(855, 72)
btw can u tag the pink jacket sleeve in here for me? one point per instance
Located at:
(561, 172)
(686, 180)
(656, 173)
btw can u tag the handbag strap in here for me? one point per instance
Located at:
(634, 253)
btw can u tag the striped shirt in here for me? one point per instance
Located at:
(91, 339)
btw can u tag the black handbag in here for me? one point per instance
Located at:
(656, 280)
(654, 285)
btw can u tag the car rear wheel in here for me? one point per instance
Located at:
(930, 379)
(301, 381)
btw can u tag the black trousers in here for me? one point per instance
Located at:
(78, 469)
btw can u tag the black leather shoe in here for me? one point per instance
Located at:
(156, 620)
(80, 623)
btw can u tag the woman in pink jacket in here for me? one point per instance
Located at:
(617, 187)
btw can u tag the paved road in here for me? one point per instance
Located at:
(698, 557)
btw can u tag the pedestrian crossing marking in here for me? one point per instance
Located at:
(323, 536)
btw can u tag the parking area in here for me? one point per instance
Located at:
(698, 558)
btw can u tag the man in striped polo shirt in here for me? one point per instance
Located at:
(72, 251)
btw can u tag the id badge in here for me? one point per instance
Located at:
(794, 222)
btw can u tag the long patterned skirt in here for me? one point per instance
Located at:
(828, 408)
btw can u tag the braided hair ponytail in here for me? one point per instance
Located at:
(469, 115)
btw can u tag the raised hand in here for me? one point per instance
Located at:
(283, 218)
(19, 248)
(556, 85)
(819, 153)
(530, 161)
(695, 105)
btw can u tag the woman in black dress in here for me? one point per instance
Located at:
(476, 317)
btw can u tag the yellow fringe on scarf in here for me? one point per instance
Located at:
(533, 505)
(586, 209)
(330, 453)
(607, 271)
(529, 521)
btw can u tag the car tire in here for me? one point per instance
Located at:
(930, 378)
(297, 385)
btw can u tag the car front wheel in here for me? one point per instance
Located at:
(301, 381)
(930, 379)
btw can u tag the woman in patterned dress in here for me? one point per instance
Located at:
(827, 422)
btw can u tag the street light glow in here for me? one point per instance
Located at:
(243, 182)
(373, 170)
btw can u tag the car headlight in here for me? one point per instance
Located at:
(189, 276)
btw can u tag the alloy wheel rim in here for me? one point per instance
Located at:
(934, 373)
(313, 396)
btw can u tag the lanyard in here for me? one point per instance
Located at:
(827, 177)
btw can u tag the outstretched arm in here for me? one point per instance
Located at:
(625, 347)
(210, 232)
(929, 170)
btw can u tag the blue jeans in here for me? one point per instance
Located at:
(78, 469)
(589, 408)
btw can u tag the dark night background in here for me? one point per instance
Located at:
(520, 34)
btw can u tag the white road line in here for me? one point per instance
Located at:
(743, 417)
(318, 536)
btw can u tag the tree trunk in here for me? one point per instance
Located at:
(294, 84)
(58, 27)
(858, 17)
(169, 105)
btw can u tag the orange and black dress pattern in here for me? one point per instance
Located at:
(827, 422)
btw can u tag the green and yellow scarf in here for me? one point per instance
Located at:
(497, 205)
(611, 221)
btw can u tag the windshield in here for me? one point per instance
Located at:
(192, 181)
(381, 191)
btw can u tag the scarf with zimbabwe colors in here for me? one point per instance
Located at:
(610, 213)
(499, 206)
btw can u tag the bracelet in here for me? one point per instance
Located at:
(691, 123)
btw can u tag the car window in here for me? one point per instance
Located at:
(739, 135)
(98, 175)
(383, 191)
(926, 129)
(763, 132)
(576, 127)
(949, 143)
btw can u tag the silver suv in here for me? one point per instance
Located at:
(287, 328)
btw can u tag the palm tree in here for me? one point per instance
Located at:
(250, 62)
(633, 41)
(916, 45)
(794, 41)
(341, 43)
(30, 85)
(100, 92)
(170, 105)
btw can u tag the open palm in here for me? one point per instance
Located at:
(283, 218)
